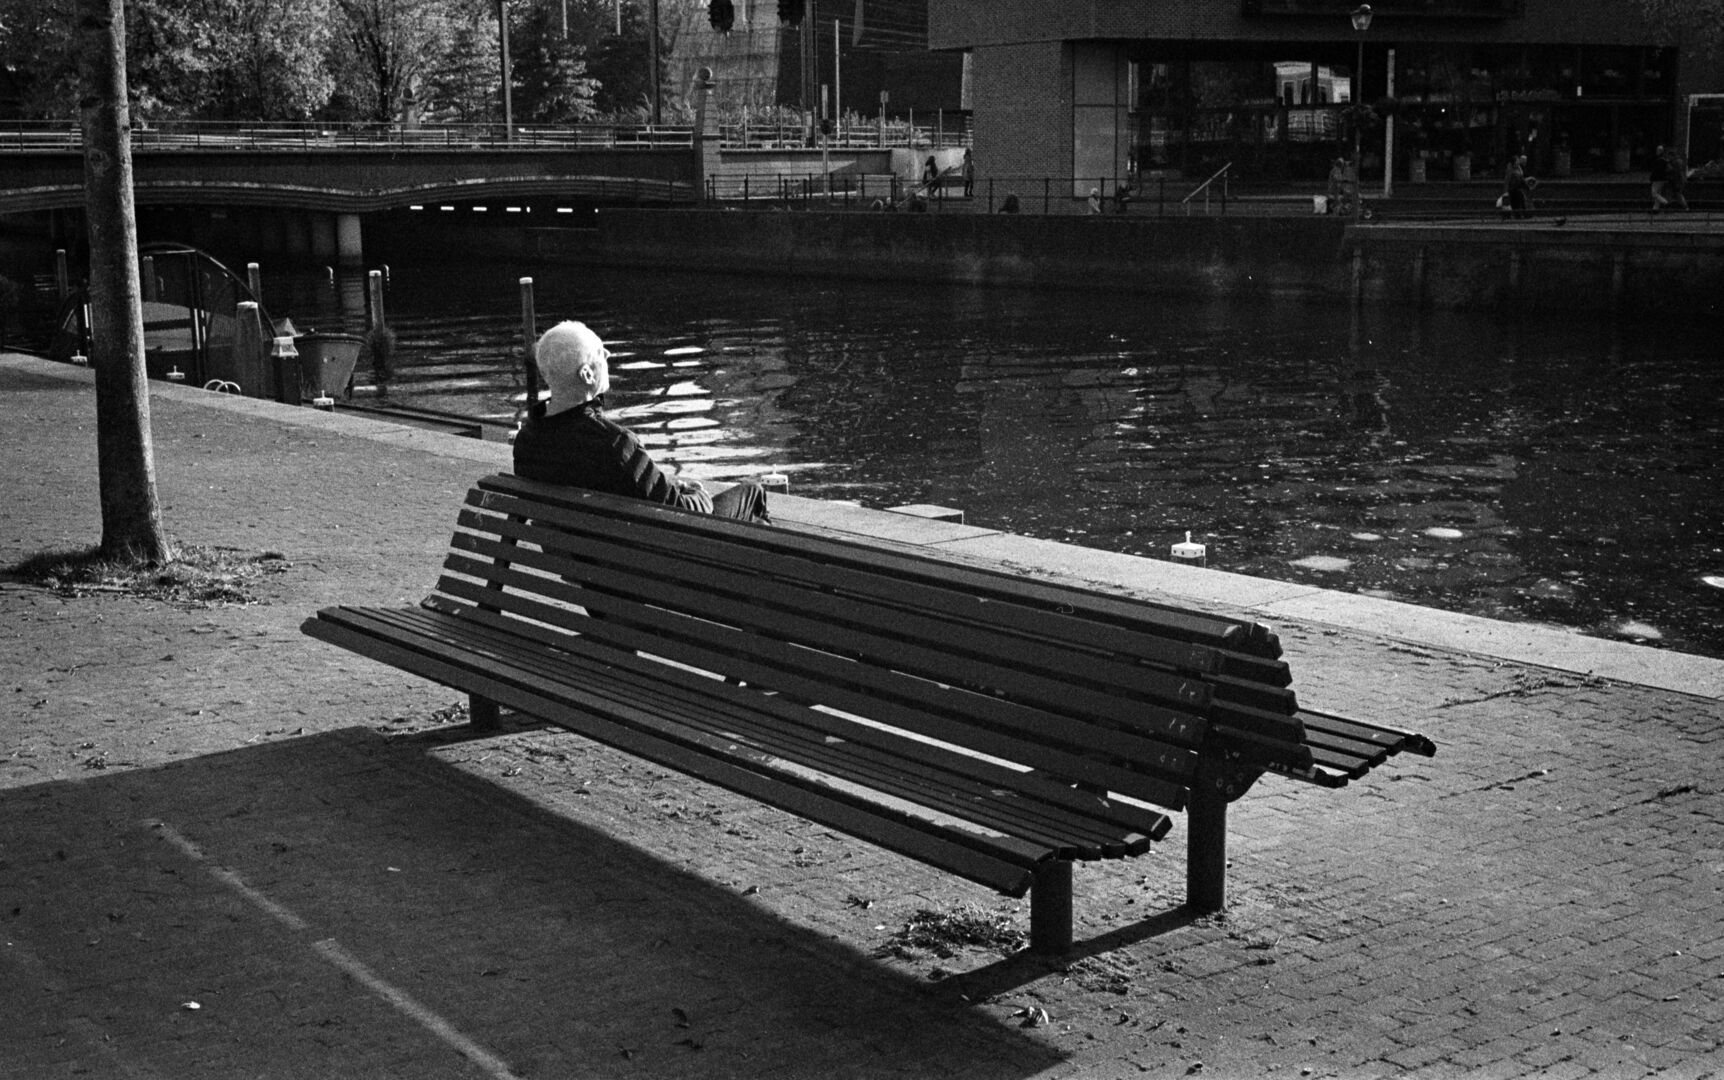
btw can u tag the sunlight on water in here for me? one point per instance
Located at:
(1550, 472)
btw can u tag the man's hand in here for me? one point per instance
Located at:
(687, 484)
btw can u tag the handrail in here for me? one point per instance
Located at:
(64, 135)
(1204, 189)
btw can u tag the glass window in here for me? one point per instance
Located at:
(1609, 71)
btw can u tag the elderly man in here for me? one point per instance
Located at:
(569, 440)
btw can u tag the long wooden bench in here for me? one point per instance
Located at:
(996, 727)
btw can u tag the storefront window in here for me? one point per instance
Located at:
(1280, 111)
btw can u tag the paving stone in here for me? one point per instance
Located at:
(554, 903)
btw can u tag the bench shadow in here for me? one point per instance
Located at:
(344, 900)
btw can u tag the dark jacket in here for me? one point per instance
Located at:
(584, 448)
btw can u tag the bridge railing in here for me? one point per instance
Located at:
(852, 134)
(39, 135)
(849, 134)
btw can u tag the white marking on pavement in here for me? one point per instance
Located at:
(332, 952)
(228, 877)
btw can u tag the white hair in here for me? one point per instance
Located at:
(561, 353)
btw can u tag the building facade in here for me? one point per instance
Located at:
(1095, 91)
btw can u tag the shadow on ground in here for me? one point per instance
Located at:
(346, 904)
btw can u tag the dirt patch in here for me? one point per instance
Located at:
(198, 577)
(944, 933)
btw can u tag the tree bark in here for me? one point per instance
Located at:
(131, 512)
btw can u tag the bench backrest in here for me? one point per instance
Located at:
(1097, 690)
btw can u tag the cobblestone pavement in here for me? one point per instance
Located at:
(227, 850)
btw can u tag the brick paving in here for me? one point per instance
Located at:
(206, 806)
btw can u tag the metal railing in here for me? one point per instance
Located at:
(1160, 196)
(1203, 189)
(849, 134)
(852, 134)
(194, 135)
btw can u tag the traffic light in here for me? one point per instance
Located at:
(723, 15)
(791, 11)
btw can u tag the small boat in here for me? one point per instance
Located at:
(191, 332)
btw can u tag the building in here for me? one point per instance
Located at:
(869, 57)
(1088, 90)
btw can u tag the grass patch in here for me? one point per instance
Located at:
(198, 577)
(943, 933)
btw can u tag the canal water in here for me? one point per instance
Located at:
(1551, 472)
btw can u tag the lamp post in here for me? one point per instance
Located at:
(1361, 22)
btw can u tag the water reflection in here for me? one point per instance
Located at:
(1551, 472)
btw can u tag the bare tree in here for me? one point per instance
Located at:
(131, 513)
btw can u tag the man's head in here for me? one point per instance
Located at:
(575, 364)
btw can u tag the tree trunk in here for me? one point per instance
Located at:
(131, 513)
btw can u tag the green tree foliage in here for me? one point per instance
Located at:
(551, 84)
(277, 60)
(364, 60)
(386, 49)
(203, 59)
(618, 62)
(463, 86)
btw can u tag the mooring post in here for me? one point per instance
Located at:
(374, 288)
(529, 342)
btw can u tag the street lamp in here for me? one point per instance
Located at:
(1361, 22)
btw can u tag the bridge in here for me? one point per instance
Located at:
(304, 188)
(357, 170)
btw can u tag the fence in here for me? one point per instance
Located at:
(852, 133)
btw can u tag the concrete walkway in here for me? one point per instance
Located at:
(227, 850)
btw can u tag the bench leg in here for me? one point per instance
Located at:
(482, 713)
(1206, 849)
(1051, 908)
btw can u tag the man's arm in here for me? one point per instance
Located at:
(650, 482)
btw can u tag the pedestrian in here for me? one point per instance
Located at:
(931, 175)
(1514, 202)
(1122, 196)
(969, 175)
(1659, 174)
(1337, 187)
(1677, 184)
(569, 440)
(1095, 200)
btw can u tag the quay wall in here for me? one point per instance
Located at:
(1601, 270)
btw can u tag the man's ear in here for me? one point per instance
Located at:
(587, 375)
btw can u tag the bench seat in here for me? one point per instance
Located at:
(995, 727)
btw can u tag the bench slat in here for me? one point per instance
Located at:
(1044, 674)
(954, 579)
(1085, 827)
(654, 742)
(779, 666)
(794, 589)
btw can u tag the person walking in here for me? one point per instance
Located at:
(1515, 188)
(969, 175)
(1659, 174)
(1677, 184)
